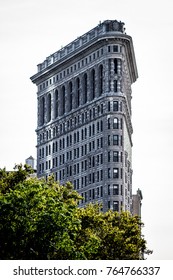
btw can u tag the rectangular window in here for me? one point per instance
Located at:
(109, 156)
(89, 146)
(97, 176)
(93, 195)
(115, 190)
(101, 158)
(115, 123)
(109, 123)
(115, 140)
(109, 106)
(115, 48)
(82, 151)
(98, 192)
(115, 86)
(115, 106)
(109, 140)
(115, 156)
(101, 142)
(85, 164)
(101, 191)
(115, 173)
(74, 169)
(93, 178)
(98, 142)
(93, 144)
(109, 190)
(101, 175)
(109, 173)
(115, 205)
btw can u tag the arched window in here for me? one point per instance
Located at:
(56, 103)
(115, 65)
(100, 79)
(42, 110)
(70, 96)
(85, 88)
(63, 100)
(77, 92)
(92, 84)
(48, 108)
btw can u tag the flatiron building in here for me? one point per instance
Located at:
(84, 128)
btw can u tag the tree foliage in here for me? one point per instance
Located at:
(41, 220)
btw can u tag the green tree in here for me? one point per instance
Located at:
(41, 220)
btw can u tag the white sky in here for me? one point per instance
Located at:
(31, 30)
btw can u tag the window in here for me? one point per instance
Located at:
(109, 156)
(115, 65)
(101, 191)
(100, 79)
(74, 137)
(109, 192)
(115, 123)
(115, 106)
(56, 103)
(109, 204)
(63, 100)
(77, 92)
(42, 110)
(101, 125)
(98, 192)
(109, 173)
(116, 140)
(93, 129)
(115, 86)
(115, 48)
(101, 175)
(93, 194)
(115, 205)
(93, 112)
(85, 88)
(70, 96)
(115, 190)
(109, 123)
(98, 127)
(115, 156)
(109, 106)
(109, 140)
(92, 84)
(115, 173)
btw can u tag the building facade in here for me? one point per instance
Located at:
(137, 203)
(84, 129)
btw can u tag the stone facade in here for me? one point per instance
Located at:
(137, 203)
(84, 124)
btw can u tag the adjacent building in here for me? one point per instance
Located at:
(84, 129)
(137, 203)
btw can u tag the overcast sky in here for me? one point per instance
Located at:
(31, 30)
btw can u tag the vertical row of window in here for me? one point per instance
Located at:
(71, 95)
(114, 69)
